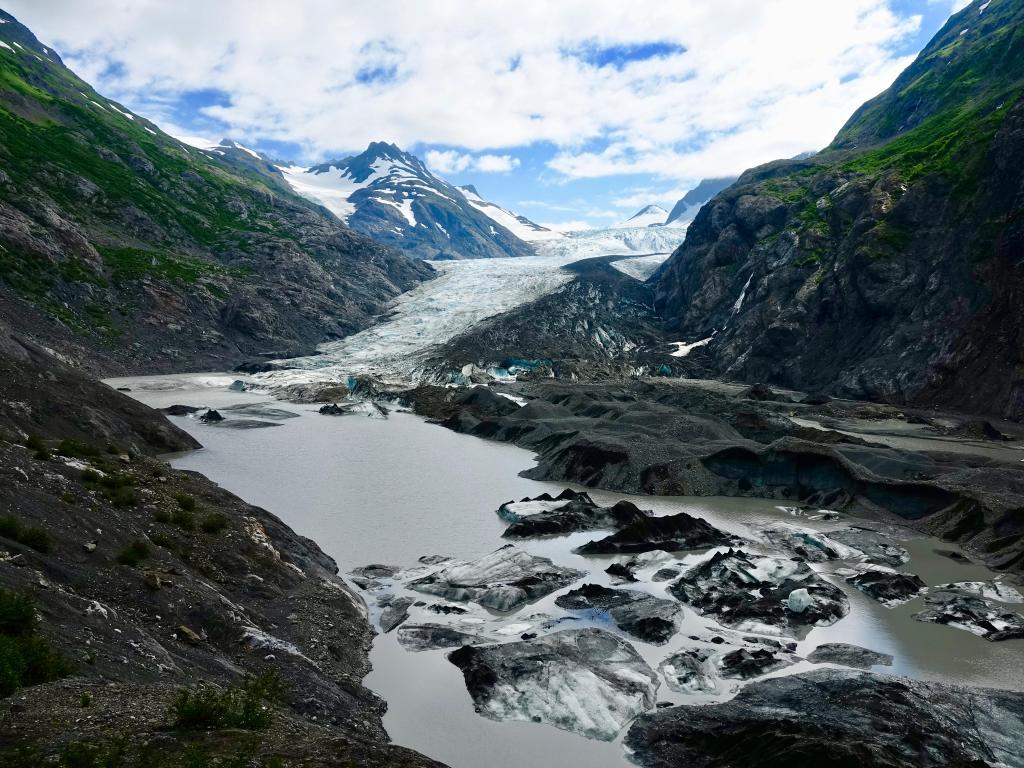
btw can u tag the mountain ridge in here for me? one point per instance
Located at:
(391, 196)
(886, 266)
(127, 250)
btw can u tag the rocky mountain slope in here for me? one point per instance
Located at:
(888, 265)
(518, 225)
(127, 250)
(687, 206)
(393, 197)
(147, 616)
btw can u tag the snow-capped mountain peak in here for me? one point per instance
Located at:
(649, 215)
(391, 196)
(520, 226)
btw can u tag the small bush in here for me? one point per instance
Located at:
(25, 659)
(35, 537)
(184, 519)
(76, 449)
(42, 455)
(35, 443)
(214, 522)
(185, 502)
(90, 477)
(162, 540)
(68, 497)
(134, 553)
(162, 516)
(122, 497)
(85, 700)
(30, 535)
(247, 706)
(17, 614)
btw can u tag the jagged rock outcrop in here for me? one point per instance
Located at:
(887, 265)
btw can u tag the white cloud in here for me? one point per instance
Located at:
(452, 161)
(757, 80)
(569, 226)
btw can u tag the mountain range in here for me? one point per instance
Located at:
(124, 249)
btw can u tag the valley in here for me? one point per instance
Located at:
(319, 458)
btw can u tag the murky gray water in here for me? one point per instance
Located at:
(371, 490)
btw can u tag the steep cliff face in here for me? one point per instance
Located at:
(129, 250)
(889, 265)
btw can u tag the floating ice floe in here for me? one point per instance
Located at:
(583, 680)
(503, 580)
(756, 592)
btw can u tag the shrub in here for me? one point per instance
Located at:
(35, 443)
(214, 522)
(185, 502)
(17, 614)
(162, 516)
(76, 449)
(30, 535)
(25, 658)
(90, 476)
(247, 706)
(134, 553)
(35, 537)
(184, 519)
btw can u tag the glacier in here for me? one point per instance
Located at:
(464, 293)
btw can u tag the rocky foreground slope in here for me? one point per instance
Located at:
(128, 250)
(148, 617)
(888, 265)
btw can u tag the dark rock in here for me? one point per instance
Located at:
(952, 554)
(179, 410)
(842, 719)
(333, 409)
(621, 571)
(396, 611)
(745, 665)
(742, 590)
(665, 574)
(573, 517)
(887, 587)
(671, 534)
(447, 610)
(211, 417)
(583, 680)
(427, 637)
(644, 616)
(848, 656)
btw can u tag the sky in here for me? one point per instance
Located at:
(574, 113)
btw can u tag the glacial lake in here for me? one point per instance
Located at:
(372, 490)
